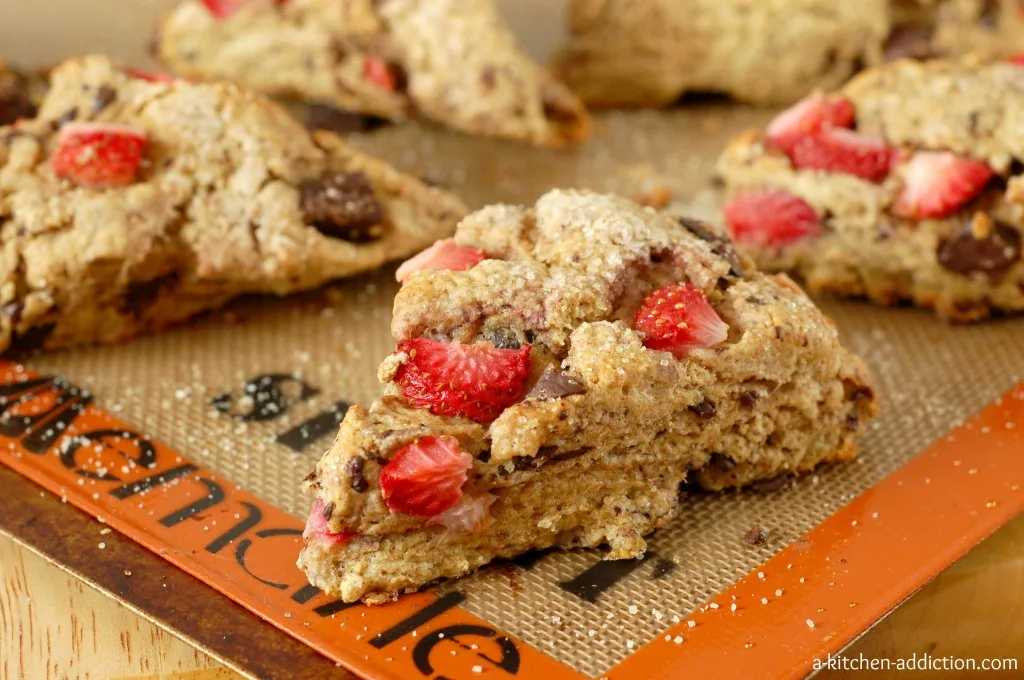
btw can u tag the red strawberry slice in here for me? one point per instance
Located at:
(806, 118)
(146, 75)
(316, 527)
(678, 319)
(771, 218)
(222, 9)
(378, 72)
(468, 515)
(846, 151)
(1017, 59)
(936, 183)
(475, 381)
(99, 155)
(425, 478)
(443, 255)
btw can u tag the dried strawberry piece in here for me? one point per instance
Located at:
(807, 118)
(771, 218)
(937, 183)
(679, 319)
(845, 151)
(222, 9)
(425, 478)
(476, 381)
(316, 527)
(380, 73)
(468, 515)
(99, 155)
(443, 255)
(148, 76)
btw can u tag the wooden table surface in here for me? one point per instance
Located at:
(54, 626)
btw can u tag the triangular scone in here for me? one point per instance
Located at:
(523, 408)
(453, 61)
(905, 185)
(650, 53)
(229, 195)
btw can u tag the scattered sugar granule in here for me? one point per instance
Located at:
(764, 600)
(477, 669)
(633, 609)
(657, 615)
(732, 607)
(629, 644)
(691, 624)
(810, 624)
(713, 605)
(101, 546)
(778, 592)
(678, 639)
(760, 575)
(801, 579)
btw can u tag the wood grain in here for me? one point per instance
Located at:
(54, 626)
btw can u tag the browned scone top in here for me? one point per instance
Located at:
(626, 53)
(608, 429)
(232, 197)
(452, 61)
(966, 261)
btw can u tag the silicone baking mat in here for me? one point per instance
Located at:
(217, 422)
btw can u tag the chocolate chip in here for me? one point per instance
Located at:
(504, 338)
(342, 205)
(67, 117)
(704, 409)
(852, 422)
(721, 463)
(484, 456)
(354, 470)
(554, 384)
(699, 229)
(12, 311)
(757, 535)
(14, 104)
(720, 245)
(311, 477)
(776, 483)
(991, 251)
(32, 339)
(909, 42)
(105, 96)
(328, 511)
(327, 117)
(487, 78)
(140, 295)
(748, 399)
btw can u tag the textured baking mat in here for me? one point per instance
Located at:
(255, 393)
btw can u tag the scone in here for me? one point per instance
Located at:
(652, 52)
(17, 95)
(131, 203)
(905, 186)
(452, 61)
(560, 371)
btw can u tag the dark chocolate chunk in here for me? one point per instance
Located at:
(554, 384)
(721, 463)
(852, 422)
(704, 409)
(982, 246)
(68, 116)
(699, 229)
(327, 117)
(311, 477)
(12, 311)
(342, 205)
(14, 104)
(720, 244)
(328, 510)
(757, 535)
(354, 470)
(140, 295)
(504, 338)
(748, 399)
(105, 96)
(32, 339)
(776, 483)
(909, 41)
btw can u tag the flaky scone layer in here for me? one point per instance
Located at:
(600, 463)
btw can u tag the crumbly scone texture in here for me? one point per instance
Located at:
(967, 265)
(600, 463)
(763, 51)
(452, 61)
(233, 197)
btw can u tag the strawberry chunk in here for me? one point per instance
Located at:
(146, 75)
(222, 9)
(468, 515)
(425, 478)
(443, 255)
(378, 72)
(99, 155)
(846, 151)
(475, 381)
(771, 218)
(316, 527)
(679, 319)
(1016, 59)
(807, 118)
(937, 183)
